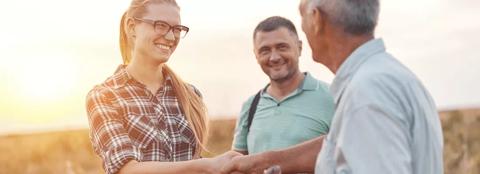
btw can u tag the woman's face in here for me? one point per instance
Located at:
(149, 44)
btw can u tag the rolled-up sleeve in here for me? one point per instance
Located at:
(108, 135)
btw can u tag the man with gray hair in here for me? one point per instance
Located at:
(385, 120)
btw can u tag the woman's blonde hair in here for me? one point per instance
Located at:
(190, 102)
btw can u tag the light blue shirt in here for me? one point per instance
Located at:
(385, 120)
(304, 114)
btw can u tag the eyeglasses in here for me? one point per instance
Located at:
(162, 27)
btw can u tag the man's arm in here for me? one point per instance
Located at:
(295, 159)
(239, 143)
(243, 152)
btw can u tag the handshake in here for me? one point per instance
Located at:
(232, 162)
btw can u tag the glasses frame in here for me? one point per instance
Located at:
(170, 27)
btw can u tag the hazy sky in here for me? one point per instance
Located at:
(54, 51)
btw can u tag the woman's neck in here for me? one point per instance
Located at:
(149, 74)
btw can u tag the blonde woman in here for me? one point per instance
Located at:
(144, 118)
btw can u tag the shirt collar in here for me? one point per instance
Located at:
(309, 83)
(121, 78)
(352, 64)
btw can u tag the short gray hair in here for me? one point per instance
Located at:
(356, 17)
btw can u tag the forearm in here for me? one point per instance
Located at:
(155, 167)
(243, 152)
(198, 166)
(298, 158)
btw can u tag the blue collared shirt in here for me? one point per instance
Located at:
(385, 120)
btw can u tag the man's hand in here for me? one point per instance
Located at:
(214, 165)
(273, 170)
(288, 159)
(255, 164)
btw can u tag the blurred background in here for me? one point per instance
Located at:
(55, 51)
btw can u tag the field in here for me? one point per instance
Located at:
(69, 152)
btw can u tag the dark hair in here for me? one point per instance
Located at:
(273, 23)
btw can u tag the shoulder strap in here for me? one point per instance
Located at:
(253, 109)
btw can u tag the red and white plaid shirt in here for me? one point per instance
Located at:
(128, 122)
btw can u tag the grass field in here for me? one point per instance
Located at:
(70, 152)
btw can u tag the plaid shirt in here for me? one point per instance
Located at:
(127, 122)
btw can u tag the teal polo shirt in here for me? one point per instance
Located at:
(304, 114)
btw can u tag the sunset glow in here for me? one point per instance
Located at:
(45, 79)
(55, 51)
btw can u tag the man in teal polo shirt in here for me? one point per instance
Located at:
(294, 107)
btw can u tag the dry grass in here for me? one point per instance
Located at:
(461, 131)
(56, 152)
(70, 152)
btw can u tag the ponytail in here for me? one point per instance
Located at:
(125, 49)
(193, 108)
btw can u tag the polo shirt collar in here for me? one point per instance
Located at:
(309, 83)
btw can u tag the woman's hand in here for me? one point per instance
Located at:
(247, 164)
(214, 165)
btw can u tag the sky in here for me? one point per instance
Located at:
(55, 51)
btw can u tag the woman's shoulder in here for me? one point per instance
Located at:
(195, 89)
(100, 92)
(115, 81)
(106, 88)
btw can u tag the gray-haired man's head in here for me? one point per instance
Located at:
(357, 17)
(330, 23)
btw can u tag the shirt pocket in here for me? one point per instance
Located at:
(140, 130)
(150, 137)
(185, 132)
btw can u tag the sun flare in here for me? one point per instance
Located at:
(45, 79)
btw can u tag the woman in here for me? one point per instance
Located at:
(144, 118)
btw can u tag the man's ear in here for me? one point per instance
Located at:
(318, 20)
(256, 55)
(254, 48)
(300, 46)
(130, 27)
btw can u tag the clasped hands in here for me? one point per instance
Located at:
(232, 162)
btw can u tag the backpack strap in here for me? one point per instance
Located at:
(253, 109)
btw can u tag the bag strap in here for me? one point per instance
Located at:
(253, 109)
